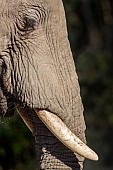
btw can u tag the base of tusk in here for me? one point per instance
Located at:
(61, 131)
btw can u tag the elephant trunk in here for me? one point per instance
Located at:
(51, 153)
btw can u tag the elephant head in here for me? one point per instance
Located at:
(38, 78)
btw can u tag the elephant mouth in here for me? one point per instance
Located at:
(62, 132)
(7, 106)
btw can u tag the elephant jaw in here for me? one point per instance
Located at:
(61, 131)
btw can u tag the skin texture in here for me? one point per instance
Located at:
(37, 71)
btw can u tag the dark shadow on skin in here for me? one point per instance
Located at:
(70, 160)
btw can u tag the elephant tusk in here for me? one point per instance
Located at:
(61, 131)
(23, 114)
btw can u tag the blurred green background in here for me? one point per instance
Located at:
(90, 26)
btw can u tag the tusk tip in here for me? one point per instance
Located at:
(96, 158)
(93, 156)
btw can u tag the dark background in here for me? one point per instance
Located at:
(90, 27)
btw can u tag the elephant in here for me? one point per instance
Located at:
(38, 78)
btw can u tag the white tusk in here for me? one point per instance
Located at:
(61, 131)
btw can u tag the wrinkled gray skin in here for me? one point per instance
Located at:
(37, 71)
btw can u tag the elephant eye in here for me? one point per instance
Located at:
(26, 25)
(29, 23)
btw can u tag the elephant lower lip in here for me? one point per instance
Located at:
(61, 131)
